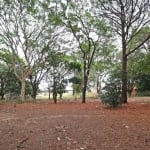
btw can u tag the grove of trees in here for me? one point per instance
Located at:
(84, 42)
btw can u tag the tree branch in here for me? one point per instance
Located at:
(138, 46)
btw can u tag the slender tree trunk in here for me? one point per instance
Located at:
(60, 95)
(55, 97)
(49, 93)
(84, 84)
(23, 85)
(73, 92)
(54, 91)
(84, 89)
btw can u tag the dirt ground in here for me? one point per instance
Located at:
(75, 126)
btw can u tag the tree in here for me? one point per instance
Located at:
(103, 64)
(127, 19)
(89, 33)
(76, 80)
(133, 71)
(112, 92)
(57, 73)
(35, 78)
(143, 84)
(9, 83)
(140, 67)
(143, 80)
(26, 32)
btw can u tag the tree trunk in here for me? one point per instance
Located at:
(84, 87)
(60, 95)
(23, 85)
(73, 92)
(124, 56)
(34, 93)
(84, 92)
(2, 89)
(124, 78)
(49, 93)
(34, 86)
(55, 97)
(54, 90)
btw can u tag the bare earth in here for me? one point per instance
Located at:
(75, 126)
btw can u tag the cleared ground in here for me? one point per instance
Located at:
(75, 126)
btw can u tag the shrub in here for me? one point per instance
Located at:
(111, 93)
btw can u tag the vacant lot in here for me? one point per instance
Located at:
(75, 126)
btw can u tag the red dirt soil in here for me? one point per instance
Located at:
(74, 126)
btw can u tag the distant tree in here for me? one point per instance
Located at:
(56, 75)
(35, 79)
(76, 80)
(102, 65)
(76, 85)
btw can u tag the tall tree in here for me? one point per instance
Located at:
(89, 33)
(26, 32)
(127, 17)
(104, 62)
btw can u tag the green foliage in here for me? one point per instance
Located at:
(75, 66)
(61, 86)
(54, 19)
(5, 56)
(9, 82)
(76, 80)
(143, 84)
(75, 28)
(28, 88)
(111, 94)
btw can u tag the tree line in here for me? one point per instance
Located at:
(84, 40)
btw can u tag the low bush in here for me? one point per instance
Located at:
(111, 93)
